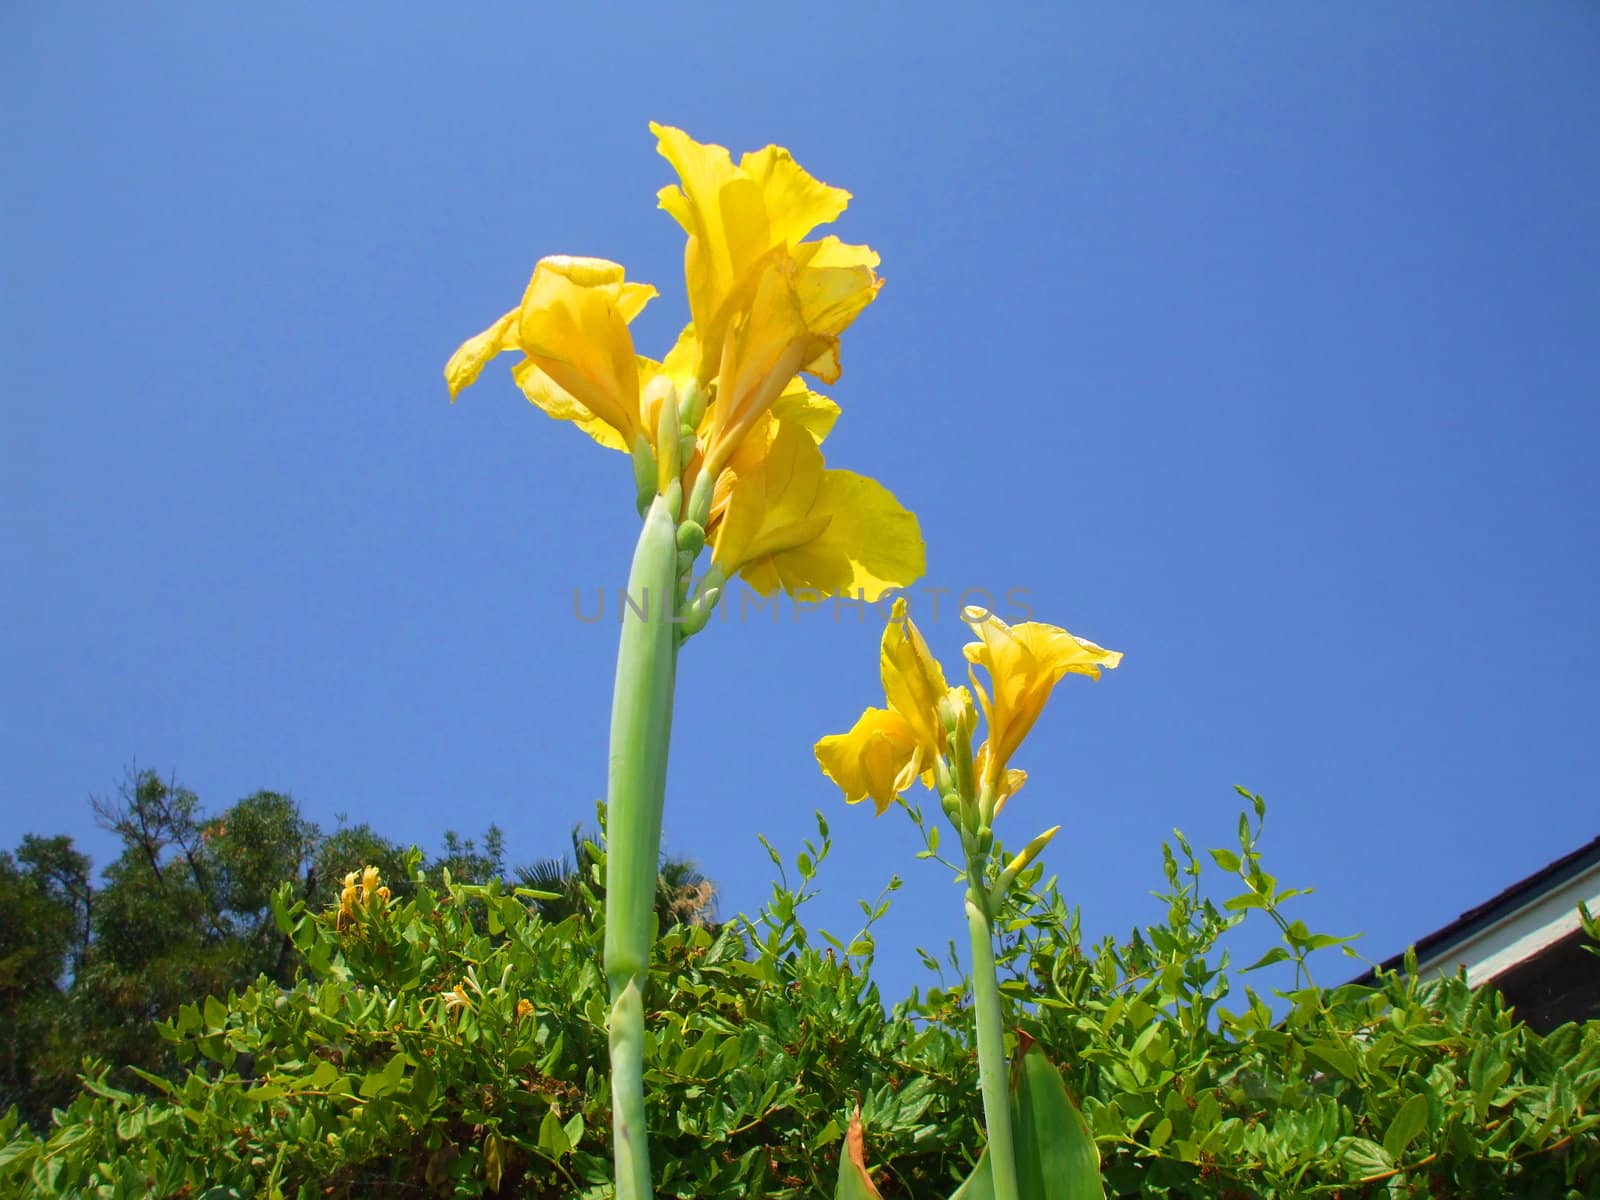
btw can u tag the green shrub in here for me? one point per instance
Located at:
(450, 1042)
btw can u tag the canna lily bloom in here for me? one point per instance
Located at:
(1024, 663)
(765, 303)
(767, 306)
(889, 748)
(579, 363)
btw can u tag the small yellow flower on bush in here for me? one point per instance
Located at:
(363, 891)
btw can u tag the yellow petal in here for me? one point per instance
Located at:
(787, 522)
(1024, 662)
(913, 681)
(573, 326)
(834, 282)
(473, 355)
(737, 217)
(556, 402)
(763, 351)
(722, 210)
(799, 405)
(1009, 782)
(796, 203)
(774, 486)
(792, 323)
(877, 758)
(872, 544)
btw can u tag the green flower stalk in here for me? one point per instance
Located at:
(641, 730)
(993, 1066)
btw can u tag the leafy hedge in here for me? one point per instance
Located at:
(452, 1043)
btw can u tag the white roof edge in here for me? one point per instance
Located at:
(1520, 934)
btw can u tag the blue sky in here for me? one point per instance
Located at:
(1256, 343)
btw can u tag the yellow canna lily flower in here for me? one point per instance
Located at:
(765, 304)
(572, 328)
(888, 749)
(1024, 663)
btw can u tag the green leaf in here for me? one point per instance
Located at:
(1363, 1158)
(423, 1081)
(1336, 1058)
(1227, 860)
(1411, 1120)
(574, 1129)
(854, 1181)
(1056, 1155)
(1276, 955)
(553, 1139)
(216, 1013)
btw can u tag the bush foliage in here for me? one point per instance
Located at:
(450, 1041)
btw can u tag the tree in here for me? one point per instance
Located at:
(44, 906)
(684, 896)
(184, 911)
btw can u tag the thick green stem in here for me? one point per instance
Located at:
(641, 728)
(993, 1069)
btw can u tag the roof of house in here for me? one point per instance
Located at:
(1520, 895)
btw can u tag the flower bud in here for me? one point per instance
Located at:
(691, 406)
(700, 497)
(691, 537)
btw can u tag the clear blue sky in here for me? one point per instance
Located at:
(1259, 344)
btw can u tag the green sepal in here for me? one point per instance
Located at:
(644, 473)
